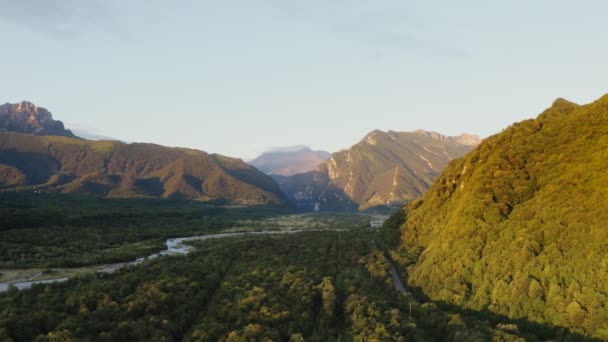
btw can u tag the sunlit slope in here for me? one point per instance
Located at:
(116, 169)
(519, 226)
(384, 168)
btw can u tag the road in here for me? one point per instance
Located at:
(396, 279)
(393, 270)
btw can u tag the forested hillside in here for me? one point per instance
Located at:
(316, 286)
(116, 169)
(519, 226)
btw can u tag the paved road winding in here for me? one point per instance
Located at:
(393, 270)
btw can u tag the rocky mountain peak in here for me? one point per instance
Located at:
(26, 117)
(383, 168)
(463, 139)
(25, 106)
(372, 137)
(468, 139)
(431, 134)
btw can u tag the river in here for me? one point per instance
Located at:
(175, 246)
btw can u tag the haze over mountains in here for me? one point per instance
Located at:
(289, 162)
(385, 168)
(518, 226)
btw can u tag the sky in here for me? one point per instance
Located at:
(239, 77)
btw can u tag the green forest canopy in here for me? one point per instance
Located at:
(519, 226)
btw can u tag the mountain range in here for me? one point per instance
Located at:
(518, 226)
(287, 163)
(384, 168)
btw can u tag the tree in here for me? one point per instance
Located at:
(328, 295)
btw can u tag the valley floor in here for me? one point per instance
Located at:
(333, 279)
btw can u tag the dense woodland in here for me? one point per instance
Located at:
(518, 226)
(313, 286)
(48, 230)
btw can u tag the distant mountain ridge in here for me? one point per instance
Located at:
(117, 169)
(25, 117)
(287, 163)
(384, 168)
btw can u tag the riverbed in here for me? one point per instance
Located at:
(175, 246)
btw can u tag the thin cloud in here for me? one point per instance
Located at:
(385, 24)
(88, 132)
(59, 19)
(405, 41)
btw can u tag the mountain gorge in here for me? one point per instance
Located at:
(518, 226)
(385, 168)
(25, 117)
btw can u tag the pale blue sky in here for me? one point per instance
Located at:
(240, 76)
